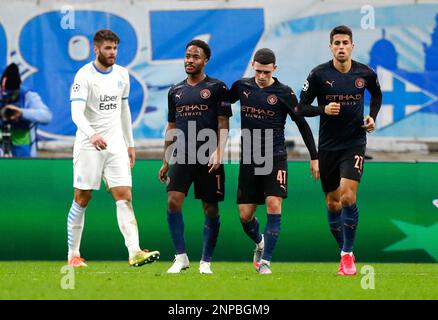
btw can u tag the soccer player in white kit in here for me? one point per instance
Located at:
(104, 146)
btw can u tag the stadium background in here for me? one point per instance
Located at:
(50, 40)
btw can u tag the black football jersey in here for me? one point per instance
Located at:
(267, 108)
(328, 84)
(198, 106)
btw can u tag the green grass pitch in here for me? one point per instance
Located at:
(231, 280)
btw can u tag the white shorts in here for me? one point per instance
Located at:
(90, 166)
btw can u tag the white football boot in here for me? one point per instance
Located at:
(180, 263)
(205, 267)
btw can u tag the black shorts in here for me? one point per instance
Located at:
(209, 187)
(255, 188)
(334, 165)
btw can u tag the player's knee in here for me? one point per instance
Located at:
(333, 205)
(348, 198)
(246, 214)
(122, 194)
(273, 205)
(245, 217)
(174, 204)
(211, 209)
(274, 208)
(127, 196)
(82, 198)
(82, 202)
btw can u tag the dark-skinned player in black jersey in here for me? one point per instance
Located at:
(199, 105)
(265, 103)
(339, 86)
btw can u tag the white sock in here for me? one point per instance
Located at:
(344, 253)
(75, 225)
(128, 226)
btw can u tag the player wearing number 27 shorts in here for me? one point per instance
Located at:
(339, 86)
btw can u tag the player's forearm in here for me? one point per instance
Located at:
(168, 142)
(166, 153)
(78, 117)
(375, 104)
(307, 110)
(223, 130)
(306, 134)
(127, 125)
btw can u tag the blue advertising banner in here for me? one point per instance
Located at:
(51, 40)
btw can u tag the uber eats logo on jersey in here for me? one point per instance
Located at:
(107, 102)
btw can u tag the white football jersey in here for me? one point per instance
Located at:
(103, 93)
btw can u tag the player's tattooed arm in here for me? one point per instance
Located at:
(162, 173)
(222, 134)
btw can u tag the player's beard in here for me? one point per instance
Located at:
(105, 61)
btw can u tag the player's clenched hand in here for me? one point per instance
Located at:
(332, 109)
(314, 169)
(98, 142)
(214, 163)
(162, 173)
(369, 124)
(131, 155)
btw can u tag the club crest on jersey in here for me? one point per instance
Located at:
(272, 99)
(305, 86)
(76, 87)
(205, 94)
(359, 83)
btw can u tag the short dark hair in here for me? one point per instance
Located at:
(10, 79)
(201, 44)
(341, 30)
(264, 56)
(105, 35)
